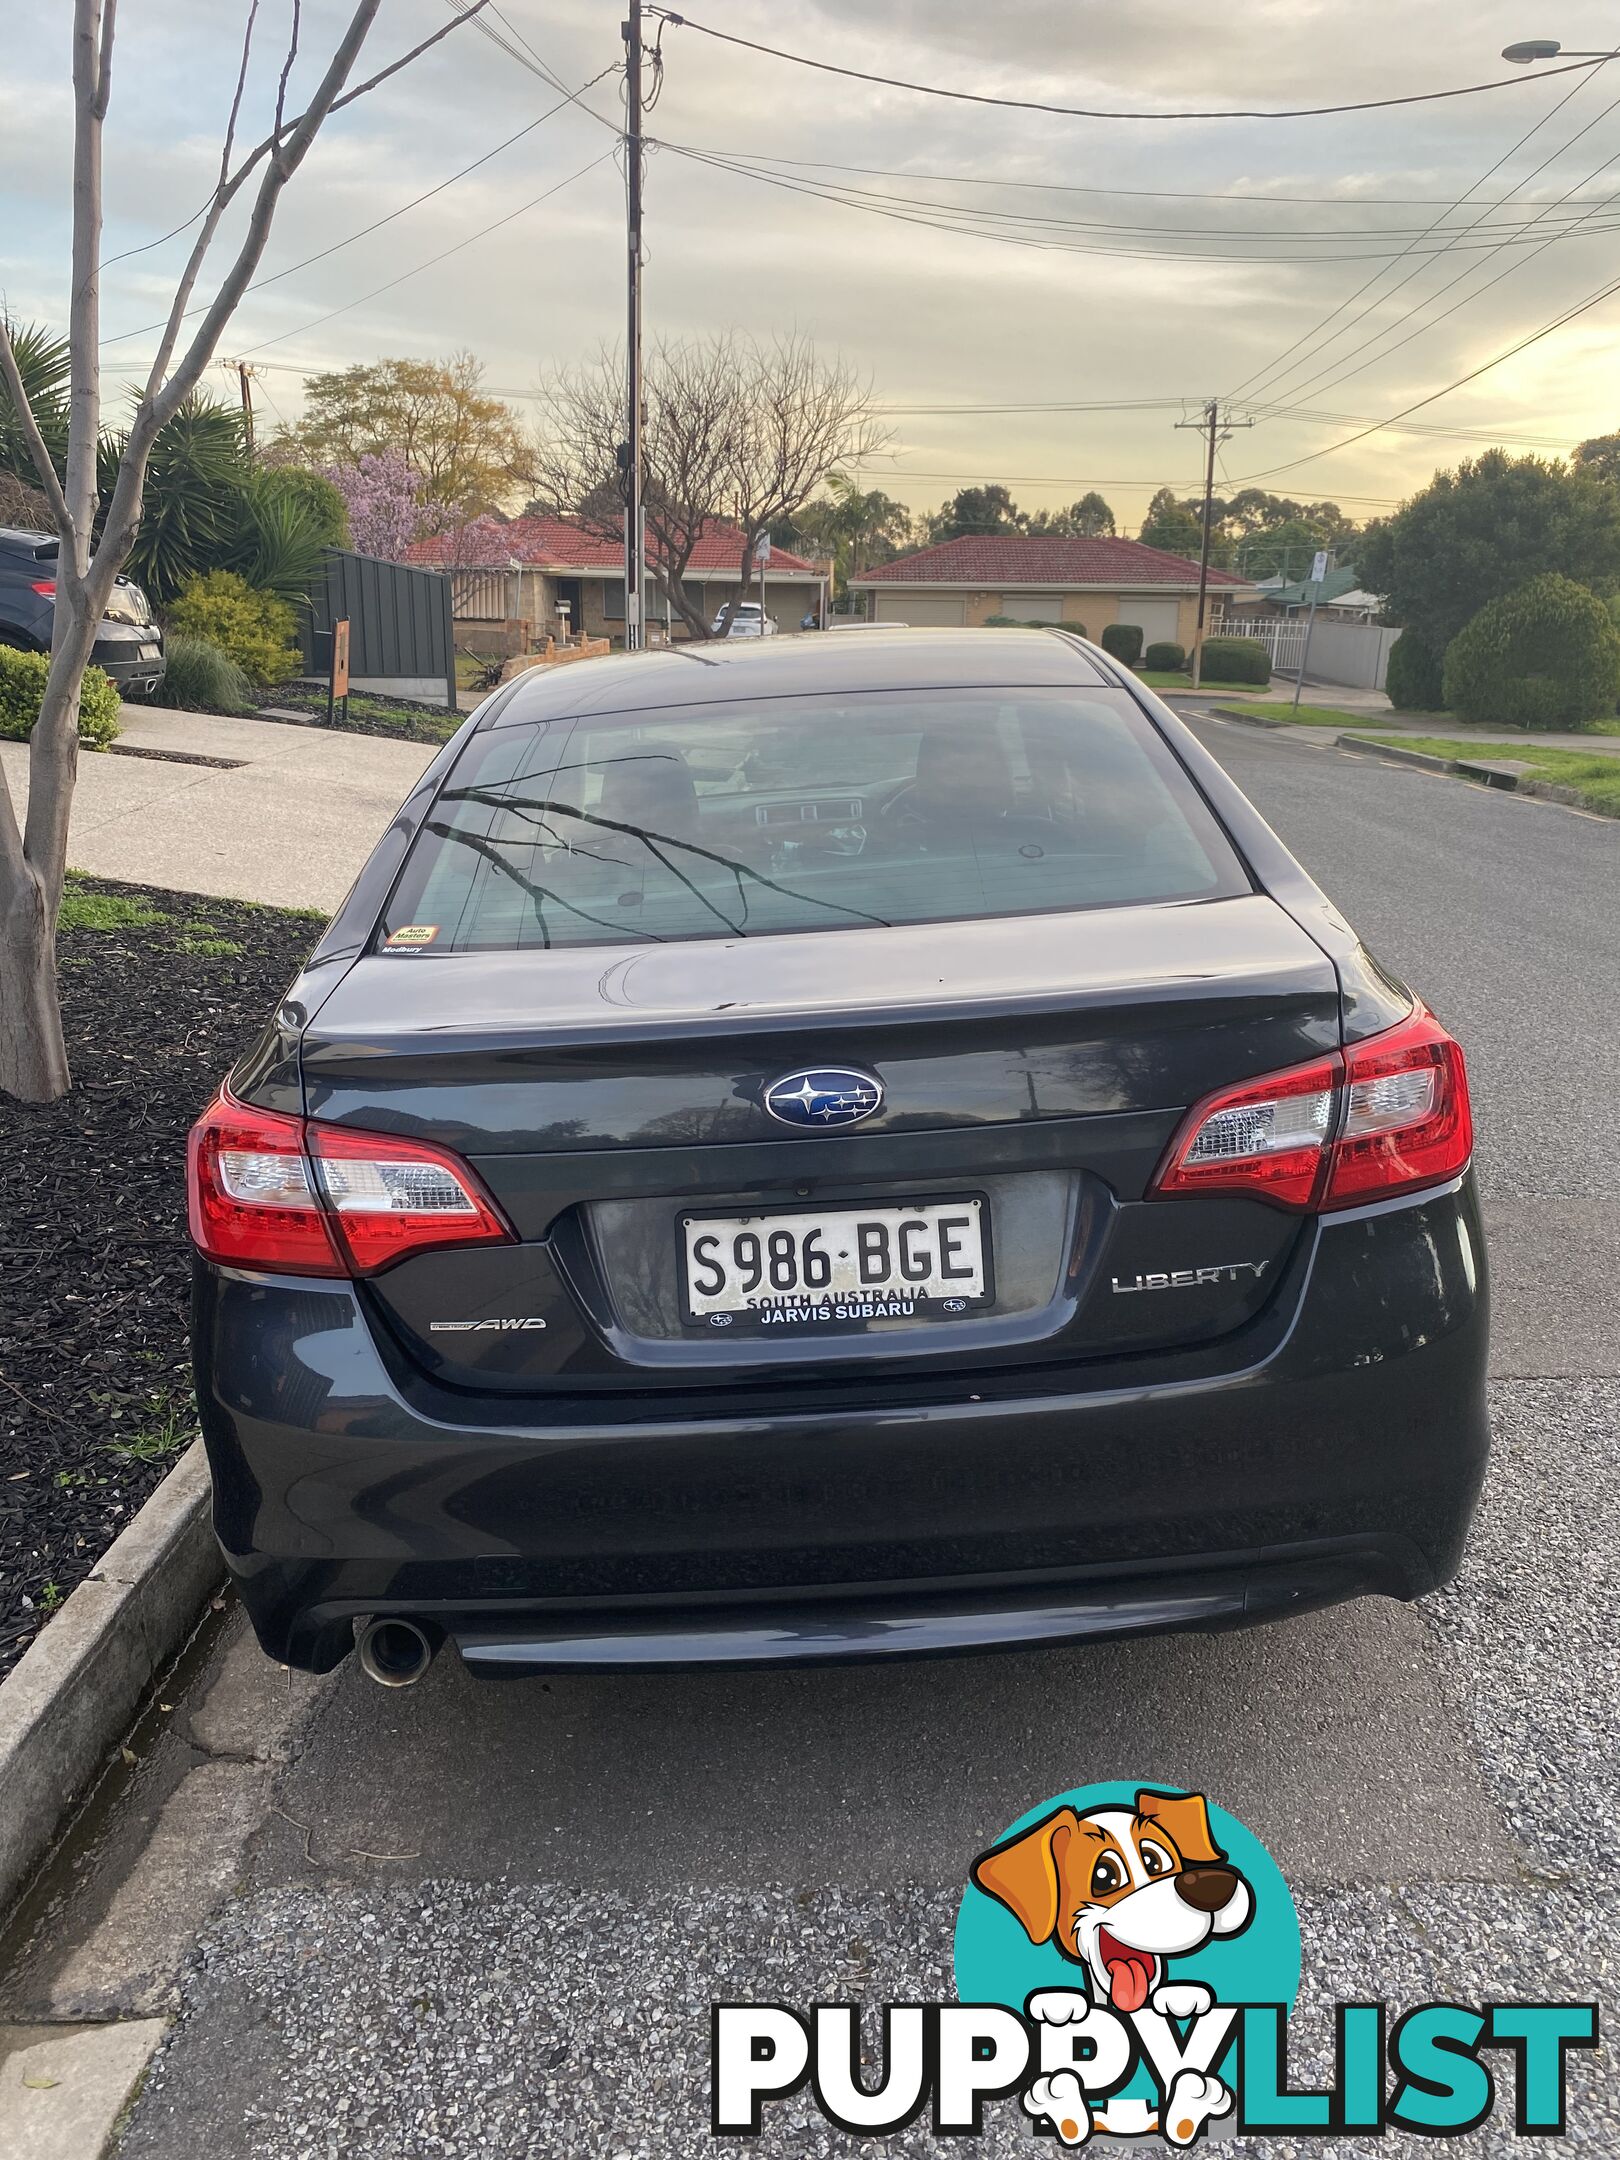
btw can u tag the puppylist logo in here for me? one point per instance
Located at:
(1127, 1959)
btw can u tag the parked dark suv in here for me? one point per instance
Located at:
(817, 1147)
(129, 644)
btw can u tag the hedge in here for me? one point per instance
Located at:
(1020, 622)
(22, 688)
(1235, 659)
(1165, 658)
(1413, 680)
(1123, 640)
(1546, 656)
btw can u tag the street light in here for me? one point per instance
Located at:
(1546, 48)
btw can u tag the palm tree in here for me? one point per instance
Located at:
(43, 363)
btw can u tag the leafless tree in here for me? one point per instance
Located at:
(690, 401)
(733, 433)
(797, 418)
(33, 856)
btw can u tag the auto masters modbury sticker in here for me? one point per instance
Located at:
(410, 936)
(1127, 1959)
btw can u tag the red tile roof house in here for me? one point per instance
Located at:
(1040, 578)
(510, 580)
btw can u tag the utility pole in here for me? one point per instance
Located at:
(1217, 432)
(245, 377)
(635, 534)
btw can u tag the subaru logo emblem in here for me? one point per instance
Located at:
(823, 1097)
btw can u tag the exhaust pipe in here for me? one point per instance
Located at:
(394, 1652)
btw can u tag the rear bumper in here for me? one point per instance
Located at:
(1330, 1450)
(118, 660)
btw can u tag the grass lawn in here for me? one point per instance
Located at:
(1158, 679)
(1595, 778)
(1311, 716)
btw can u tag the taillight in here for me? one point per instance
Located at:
(1265, 1137)
(47, 589)
(248, 1192)
(286, 1194)
(391, 1197)
(1407, 1119)
(1387, 1116)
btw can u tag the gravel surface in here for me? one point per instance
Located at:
(95, 1384)
(468, 2021)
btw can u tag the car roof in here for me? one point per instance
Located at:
(16, 541)
(704, 673)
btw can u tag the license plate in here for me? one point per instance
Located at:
(146, 652)
(837, 1267)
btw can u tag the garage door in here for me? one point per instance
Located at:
(932, 611)
(1156, 619)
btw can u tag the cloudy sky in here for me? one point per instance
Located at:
(961, 255)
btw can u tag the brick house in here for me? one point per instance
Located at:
(1041, 578)
(512, 580)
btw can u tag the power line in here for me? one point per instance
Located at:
(984, 479)
(1058, 187)
(443, 256)
(1295, 236)
(1326, 378)
(124, 336)
(527, 57)
(1569, 315)
(1256, 377)
(976, 225)
(1061, 406)
(1087, 112)
(1333, 380)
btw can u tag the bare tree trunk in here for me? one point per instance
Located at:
(33, 1054)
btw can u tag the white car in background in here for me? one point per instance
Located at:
(748, 619)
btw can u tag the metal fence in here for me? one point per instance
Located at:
(1282, 636)
(481, 595)
(400, 634)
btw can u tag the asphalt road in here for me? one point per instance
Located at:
(482, 1921)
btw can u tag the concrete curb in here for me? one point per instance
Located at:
(75, 1691)
(1423, 759)
(1250, 719)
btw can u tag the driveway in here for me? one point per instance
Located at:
(282, 814)
(463, 1920)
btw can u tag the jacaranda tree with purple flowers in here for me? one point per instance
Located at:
(387, 504)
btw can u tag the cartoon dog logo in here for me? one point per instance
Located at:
(1120, 1891)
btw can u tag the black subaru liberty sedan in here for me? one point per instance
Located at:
(832, 1147)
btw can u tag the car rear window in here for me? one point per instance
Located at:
(805, 813)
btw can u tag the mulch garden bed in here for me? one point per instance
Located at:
(303, 704)
(161, 992)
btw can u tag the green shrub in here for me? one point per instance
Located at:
(1235, 659)
(1165, 657)
(1413, 679)
(1123, 640)
(254, 628)
(1078, 628)
(22, 687)
(1546, 656)
(203, 678)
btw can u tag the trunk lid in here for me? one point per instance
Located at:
(1035, 1065)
